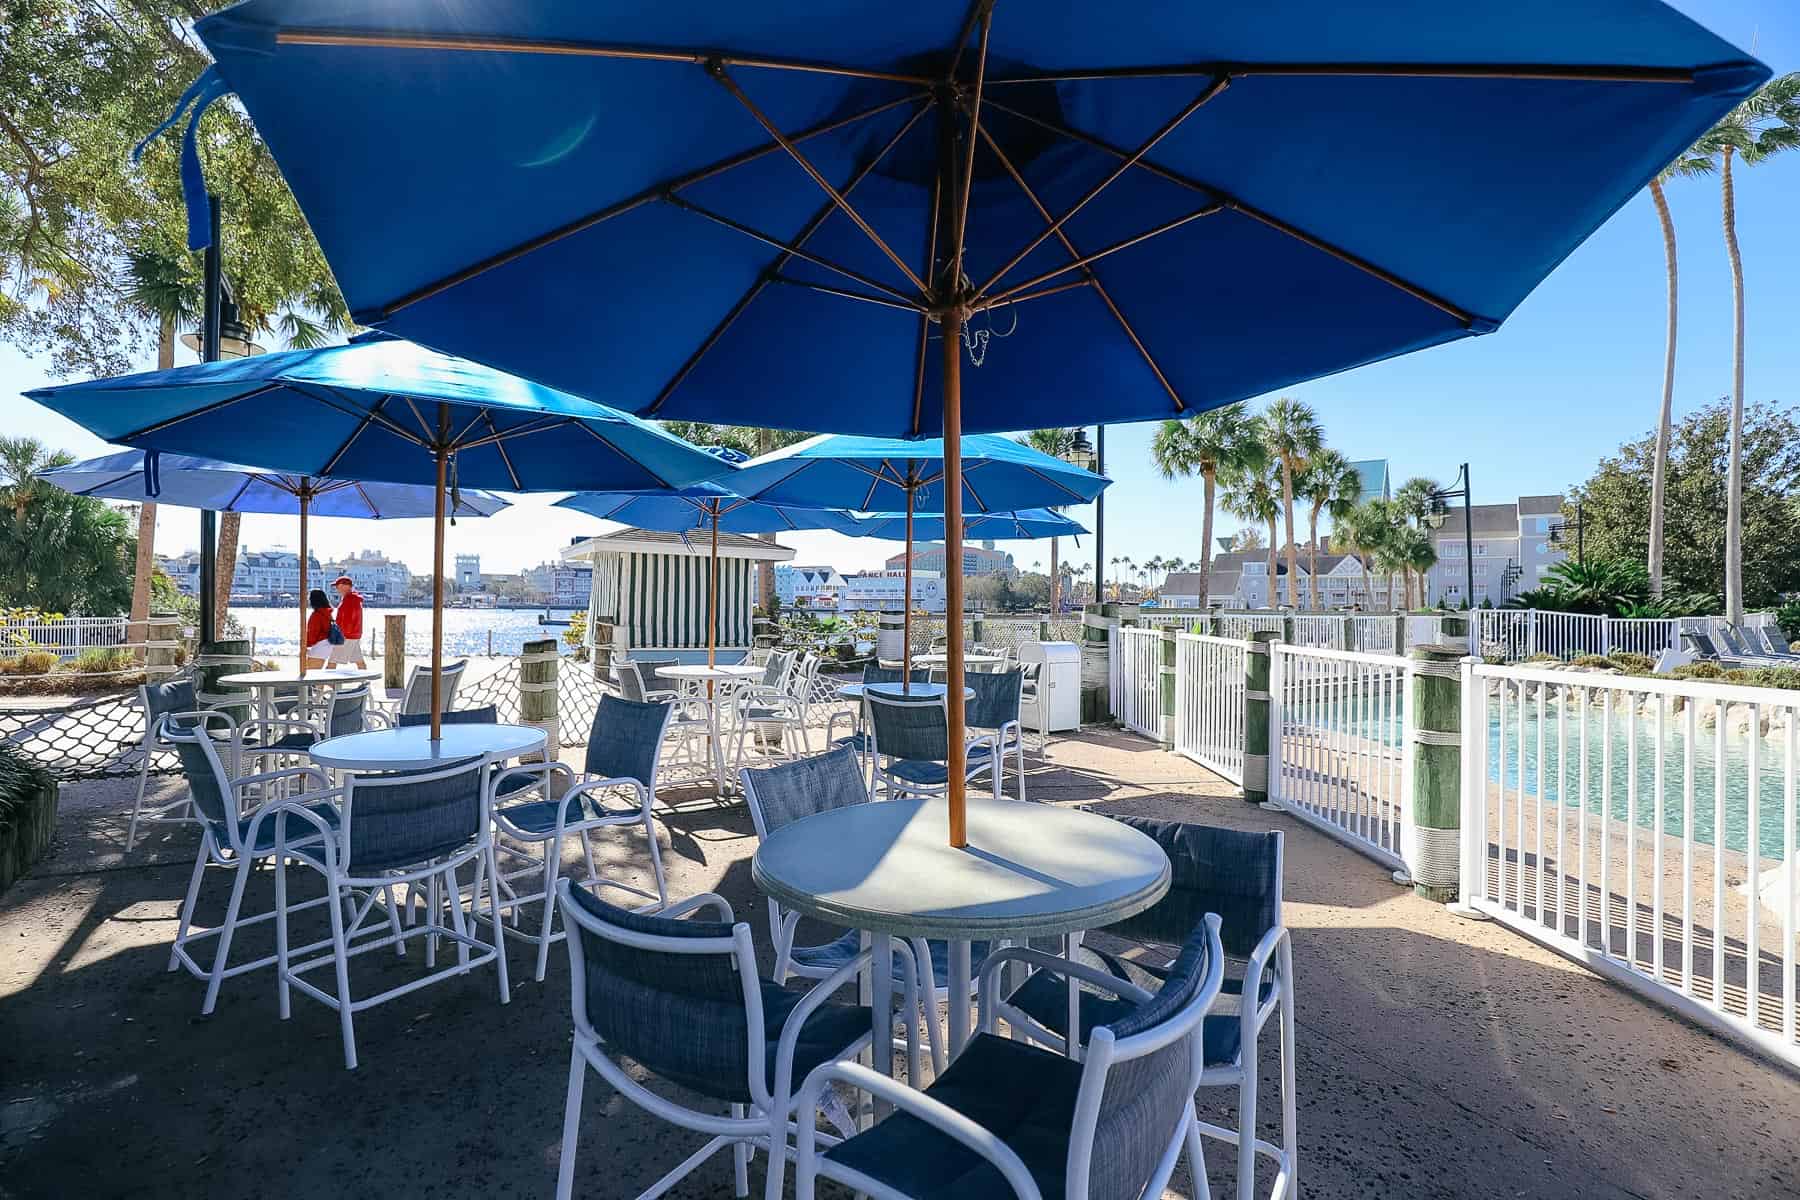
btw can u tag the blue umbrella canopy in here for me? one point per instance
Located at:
(1024, 525)
(892, 474)
(192, 482)
(692, 509)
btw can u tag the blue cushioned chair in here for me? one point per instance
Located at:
(405, 828)
(345, 711)
(487, 714)
(1238, 876)
(681, 997)
(993, 712)
(157, 700)
(622, 751)
(909, 745)
(1009, 1119)
(416, 697)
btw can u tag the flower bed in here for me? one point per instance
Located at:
(27, 813)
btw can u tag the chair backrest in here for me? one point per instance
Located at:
(408, 818)
(776, 669)
(1030, 672)
(648, 669)
(208, 778)
(349, 710)
(626, 739)
(783, 794)
(1139, 1074)
(1231, 872)
(678, 996)
(800, 678)
(487, 714)
(631, 680)
(877, 674)
(1728, 633)
(908, 728)
(1703, 645)
(417, 697)
(995, 703)
(1769, 641)
(159, 699)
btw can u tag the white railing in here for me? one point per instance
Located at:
(1613, 821)
(1176, 619)
(1137, 700)
(1517, 634)
(1242, 625)
(65, 637)
(1642, 635)
(1374, 635)
(1315, 629)
(1338, 724)
(1209, 703)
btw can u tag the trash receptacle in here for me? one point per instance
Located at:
(1057, 703)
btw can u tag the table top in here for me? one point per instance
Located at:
(702, 671)
(290, 676)
(937, 659)
(1029, 869)
(854, 691)
(411, 748)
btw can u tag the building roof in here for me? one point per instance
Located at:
(1540, 506)
(655, 541)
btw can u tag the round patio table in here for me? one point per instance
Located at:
(888, 868)
(935, 659)
(721, 673)
(265, 683)
(854, 691)
(411, 749)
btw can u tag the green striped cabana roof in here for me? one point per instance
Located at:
(652, 586)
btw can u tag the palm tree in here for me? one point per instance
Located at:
(1291, 432)
(1218, 442)
(1152, 567)
(22, 461)
(1256, 496)
(1130, 573)
(1057, 442)
(1365, 530)
(1419, 556)
(1758, 129)
(1328, 482)
(1412, 505)
(160, 287)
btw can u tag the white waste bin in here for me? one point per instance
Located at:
(1057, 705)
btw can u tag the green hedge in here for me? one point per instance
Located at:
(27, 813)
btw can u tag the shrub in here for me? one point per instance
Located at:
(101, 660)
(1593, 660)
(35, 662)
(1542, 657)
(1699, 670)
(1637, 664)
(1788, 617)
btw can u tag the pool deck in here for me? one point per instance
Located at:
(1437, 1057)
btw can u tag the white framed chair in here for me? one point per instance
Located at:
(415, 698)
(689, 726)
(1011, 1119)
(393, 830)
(1213, 870)
(992, 716)
(681, 997)
(909, 747)
(622, 752)
(756, 710)
(156, 700)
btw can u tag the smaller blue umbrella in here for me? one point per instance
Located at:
(1027, 524)
(189, 481)
(706, 507)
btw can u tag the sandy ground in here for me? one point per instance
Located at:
(1437, 1057)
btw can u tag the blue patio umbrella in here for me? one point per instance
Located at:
(1113, 212)
(706, 507)
(1025, 525)
(383, 410)
(191, 482)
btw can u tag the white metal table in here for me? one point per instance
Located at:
(935, 659)
(411, 748)
(264, 684)
(719, 673)
(888, 868)
(936, 691)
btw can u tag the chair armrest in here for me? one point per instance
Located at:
(590, 786)
(704, 900)
(1104, 980)
(915, 1104)
(313, 773)
(831, 723)
(820, 992)
(291, 724)
(296, 809)
(1253, 1013)
(534, 769)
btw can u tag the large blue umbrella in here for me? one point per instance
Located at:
(706, 507)
(191, 482)
(1025, 525)
(1114, 212)
(385, 410)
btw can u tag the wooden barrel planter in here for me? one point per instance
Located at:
(27, 814)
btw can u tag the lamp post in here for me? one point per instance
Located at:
(1559, 533)
(1084, 454)
(1439, 510)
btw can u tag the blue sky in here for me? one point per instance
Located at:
(1577, 370)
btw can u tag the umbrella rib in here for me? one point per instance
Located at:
(595, 434)
(1239, 206)
(1088, 259)
(961, 227)
(418, 416)
(1570, 73)
(655, 192)
(504, 45)
(793, 249)
(1219, 84)
(980, 504)
(976, 9)
(202, 411)
(1075, 496)
(332, 462)
(731, 85)
(239, 494)
(845, 293)
(481, 414)
(1006, 298)
(775, 264)
(369, 500)
(1094, 279)
(937, 187)
(500, 449)
(538, 425)
(331, 399)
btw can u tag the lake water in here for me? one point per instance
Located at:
(466, 630)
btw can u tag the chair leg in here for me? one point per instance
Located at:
(552, 861)
(928, 990)
(217, 975)
(340, 955)
(393, 914)
(1021, 756)
(1196, 1146)
(1246, 1164)
(138, 805)
(565, 1164)
(433, 911)
(493, 872)
(656, 864)
(587, 856)
(740, 1160)
(1290, 1116)
(282, 990)
(187, 905)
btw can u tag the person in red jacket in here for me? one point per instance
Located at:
(318, 630)
(349, 622)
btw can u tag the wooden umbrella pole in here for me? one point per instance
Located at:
(437, 575)
(304, 500)
(712, 601)
(906, 604)
(953, 572)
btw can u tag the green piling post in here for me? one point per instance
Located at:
(1434, 856)
(1166, 687)
(1257, 659)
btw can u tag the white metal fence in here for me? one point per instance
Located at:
(1138, 697)
(65, 637)
(1515, 634)
(1209, 703)
(1338, 732)
(1646, 828)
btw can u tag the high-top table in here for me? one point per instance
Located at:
(264, 684)
(718, 673)
(410, 748)
(1029, 870)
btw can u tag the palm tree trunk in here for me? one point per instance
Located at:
(1055, 577)
(1293, 554)
(145, 567)
(1274, 596)
(1734, 484)
(227, 564)
(1312, 560)
(765, 571)
(1368, 600)
(1210, 482)
(1660, 468)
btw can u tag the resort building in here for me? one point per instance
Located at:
(274, 574)
(980, 559)
(882, 591)
(807, 587)
(559, 584)
(468, 572)
(372, 573)
(183, 571)
(1511, 545)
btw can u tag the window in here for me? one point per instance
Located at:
(1449, 549)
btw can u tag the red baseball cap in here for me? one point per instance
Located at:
(343, 579)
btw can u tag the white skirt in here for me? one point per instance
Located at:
(320, 651)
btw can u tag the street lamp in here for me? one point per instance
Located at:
(234, 336)
(1090, 457)
(1440, 510)
(1559, 532)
